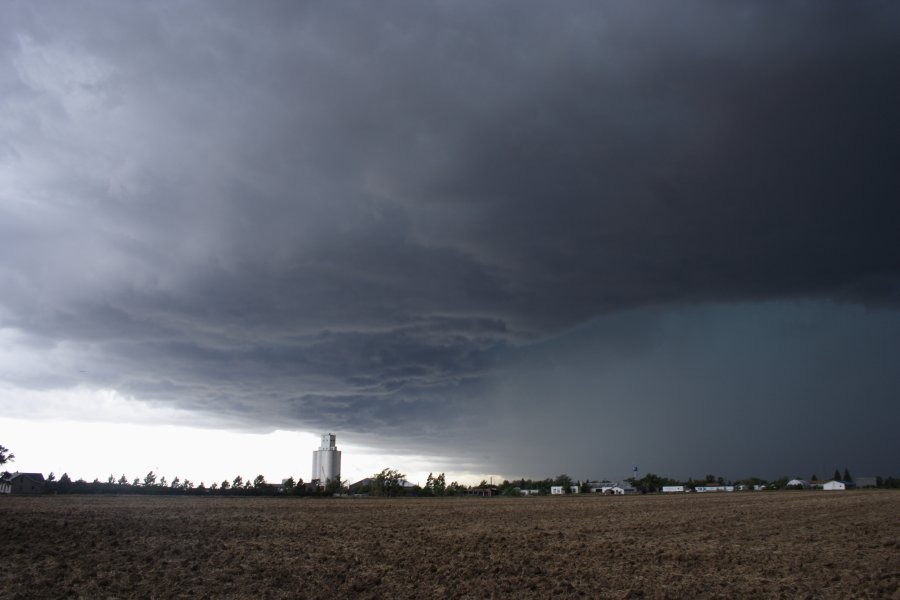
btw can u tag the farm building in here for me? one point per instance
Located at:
(670, 489)
(714, 487)
(575, 489)
(530, 492)
(5, 487)
(837, 485)
(597, 487)
(798, 483)
(618, 490)
(26, 483)
(557, 490)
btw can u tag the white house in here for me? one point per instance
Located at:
(557, 490)
(530, 492)
(574, 489)
(834, 485)
(671, 489)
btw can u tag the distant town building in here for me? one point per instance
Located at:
(326, 464)
(557, 490)
(670, 489)
(798, 483)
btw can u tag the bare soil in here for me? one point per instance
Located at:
(785, 545)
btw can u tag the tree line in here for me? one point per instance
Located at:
(388, 482)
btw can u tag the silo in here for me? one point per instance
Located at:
(327, 460)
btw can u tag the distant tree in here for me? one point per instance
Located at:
(388, 482)
(837, 475)
(65, 483)
(238, 482)
(214, 486)
(225, 484)
(112, 479)
(439, 485)
(565, 481)
(650, 483)
(187, 485)
(176, 483)
(5, 456)
(150, 479)
(136, 482)
(710, 479)
(259, 482)
(814, 477)
(334, 486)
(288, 484)
(123, 480)
(847, 476)
(163, 482)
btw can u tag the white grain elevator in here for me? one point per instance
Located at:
(327, 460)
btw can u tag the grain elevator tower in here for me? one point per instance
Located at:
(326, 460)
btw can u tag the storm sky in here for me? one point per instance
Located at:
(521, 238)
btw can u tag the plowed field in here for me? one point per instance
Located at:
(790, 545)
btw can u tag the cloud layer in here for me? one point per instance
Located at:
(362, 217)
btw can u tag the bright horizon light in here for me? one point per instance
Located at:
(92, 450)
(92, 434)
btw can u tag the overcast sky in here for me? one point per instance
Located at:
(516, 238)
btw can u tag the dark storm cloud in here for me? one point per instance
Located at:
(355, 216)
